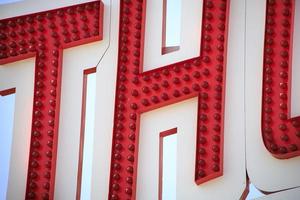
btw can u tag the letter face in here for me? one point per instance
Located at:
(45, 35)
(137, 92)
(271, 133)
(281, 133)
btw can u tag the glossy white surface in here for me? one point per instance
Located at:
(295, 92)
(19, 75)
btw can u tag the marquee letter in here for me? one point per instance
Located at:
(281, 133)
(138, 92)
(45, 35)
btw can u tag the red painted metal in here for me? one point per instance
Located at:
(138, 92)
(280, 132)
(45, 35)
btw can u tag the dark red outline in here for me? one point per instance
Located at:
(7, 92)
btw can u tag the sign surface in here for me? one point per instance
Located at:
(225, 93)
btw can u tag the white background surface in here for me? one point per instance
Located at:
(7, 107)
(295, 92)
(19, 75)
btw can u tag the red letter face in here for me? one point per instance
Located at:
(138, 92)
(45, 35)
(281, 133)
